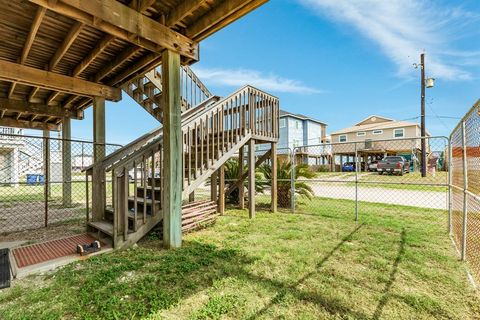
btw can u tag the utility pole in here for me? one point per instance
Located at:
(422, 115)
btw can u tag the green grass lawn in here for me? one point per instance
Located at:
(315, 264)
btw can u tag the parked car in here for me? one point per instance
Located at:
(372, 166)
(393, 164)
(348, 167)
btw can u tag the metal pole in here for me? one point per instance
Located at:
(450, 195)
(422, 114)
(46, 163)
(465, 188)
(356, 183)
(292, 181)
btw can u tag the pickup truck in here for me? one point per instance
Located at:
(393, 164)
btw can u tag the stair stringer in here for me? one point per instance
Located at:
(216, 165)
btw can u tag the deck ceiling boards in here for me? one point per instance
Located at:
(62, 42)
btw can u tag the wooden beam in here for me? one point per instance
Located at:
(67, 42)
(119, 20)
(92, 55)
(53, 81)
(116, 62)
(182, 10)
(136, 69)
(25, 124)
(220, 16)
(37, 20)
(38, 109)
(172, 139)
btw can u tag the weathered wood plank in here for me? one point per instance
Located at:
(117, 19)
(10, 71)
(172, 137)
(18, 123)
(38, 109)
(251, 178)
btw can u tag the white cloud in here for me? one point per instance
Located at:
(241, 77)
(403, 28)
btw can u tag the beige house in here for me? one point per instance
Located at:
(378, 136)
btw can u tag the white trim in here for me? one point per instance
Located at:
(403, 132)
(377, 131)
(361, 134)
(340, 138)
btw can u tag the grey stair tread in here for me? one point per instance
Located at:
(141, 200)
(148, 188)
(104, 226)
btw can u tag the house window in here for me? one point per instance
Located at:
(361, 134)
(297, 124)
(296, 143)
(283, 123)
(342, 138)
(399, 133)
(377, 132)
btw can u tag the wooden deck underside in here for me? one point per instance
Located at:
(55, 56)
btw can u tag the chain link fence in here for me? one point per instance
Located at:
(41, 180)
(464, 222)
(350, 176)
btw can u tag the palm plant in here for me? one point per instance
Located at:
(231, 177)
(284, 175)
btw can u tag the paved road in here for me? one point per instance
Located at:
(416, 198)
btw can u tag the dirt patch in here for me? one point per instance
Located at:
(59, 230)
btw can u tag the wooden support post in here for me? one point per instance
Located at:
(191, 197)
(274, 177)
(241, 189)
(251, 178)
(98, 176)
(221, 190)
(172, 137)
(66, 163)
(213, 186)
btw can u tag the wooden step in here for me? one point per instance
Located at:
(141, 190)
(105, 227)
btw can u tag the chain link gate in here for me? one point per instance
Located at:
(41, 180)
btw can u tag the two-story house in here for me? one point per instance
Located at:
(377, 136)
(297, 130)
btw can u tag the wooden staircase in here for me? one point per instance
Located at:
(128, 202)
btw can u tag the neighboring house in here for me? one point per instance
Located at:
(10, 147)
(400, 138)
(297, 130)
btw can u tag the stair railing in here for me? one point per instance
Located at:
(146, 90)
(211, 135)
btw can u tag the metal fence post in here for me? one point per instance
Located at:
(465, 188)
(450, 195)
(292, 181)
(356, 182)
(46, 164)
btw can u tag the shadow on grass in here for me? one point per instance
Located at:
(127, 284)
(386, 295)
(331, 305)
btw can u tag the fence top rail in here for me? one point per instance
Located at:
(474, 108)
(369, 141)
(60, 139)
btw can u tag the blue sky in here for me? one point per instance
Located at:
(337, 61)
